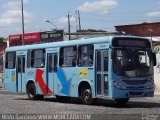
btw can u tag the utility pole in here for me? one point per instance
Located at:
(79, 20)
(22, 24)
(69, 27)
(150, 30)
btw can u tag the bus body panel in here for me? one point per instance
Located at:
(10, 80)
(69, 79)
(82, 74)
(36, 76)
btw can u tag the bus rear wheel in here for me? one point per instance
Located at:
(86, 96)
(31, 91)
(122, 101)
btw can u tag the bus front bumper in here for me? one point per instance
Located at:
(117, 93)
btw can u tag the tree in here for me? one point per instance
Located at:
(3, 39)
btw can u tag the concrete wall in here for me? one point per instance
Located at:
(157, 72)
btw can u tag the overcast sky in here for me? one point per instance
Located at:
(95, 14)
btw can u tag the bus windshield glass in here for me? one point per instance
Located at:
(132, 62)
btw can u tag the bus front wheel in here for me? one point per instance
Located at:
(86, 96)
(122, 101)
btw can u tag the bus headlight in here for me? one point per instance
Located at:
(150, 84)
(119, 85)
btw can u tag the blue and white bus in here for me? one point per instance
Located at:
(109, 67)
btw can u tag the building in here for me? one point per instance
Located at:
(36, 37)
(144, 29)
(3, 45)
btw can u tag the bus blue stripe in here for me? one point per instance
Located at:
(64, 82)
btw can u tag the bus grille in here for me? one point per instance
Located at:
(135, 93)
(135, 82)
(136, 88)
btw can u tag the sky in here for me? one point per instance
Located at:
(94, 14)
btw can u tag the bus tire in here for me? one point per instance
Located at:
(31, 91)
(86, 96)
(122, 101)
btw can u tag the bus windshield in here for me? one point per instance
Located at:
(132, 62)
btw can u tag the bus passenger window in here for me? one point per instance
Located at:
(68, 56)
(19, 65)
(85, 55)
(38, 58)
(50, 63)
(55, 60)
(105, 57)
(28, 58)
(10, 60)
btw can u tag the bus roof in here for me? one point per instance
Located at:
(81, 41)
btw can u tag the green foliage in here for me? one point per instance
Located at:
(156, 49)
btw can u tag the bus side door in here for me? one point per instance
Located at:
(101, 72)
(52, 62)
(20, 71)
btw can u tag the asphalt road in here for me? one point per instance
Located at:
(17, 106)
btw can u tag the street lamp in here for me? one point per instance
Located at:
(51, 23)
(22, 23)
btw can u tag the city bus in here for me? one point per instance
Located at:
(108, 67)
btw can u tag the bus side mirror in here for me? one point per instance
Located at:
(154, 59)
